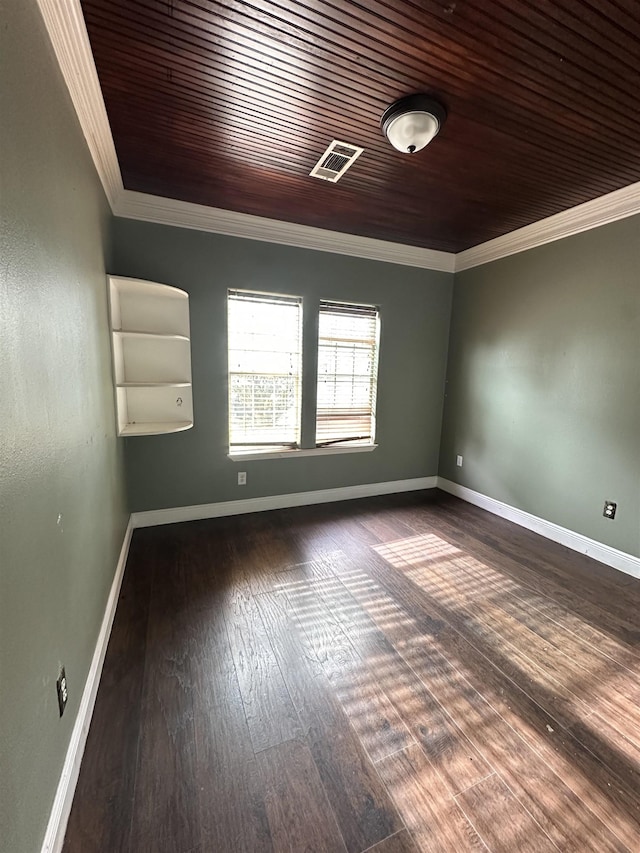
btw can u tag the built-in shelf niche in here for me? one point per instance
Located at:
(151, 356)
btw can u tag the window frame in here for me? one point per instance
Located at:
(351, 309)
(308, 385)
(276, 447)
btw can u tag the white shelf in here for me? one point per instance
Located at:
(153, 385)
(151, 356)
(144, 306)
(157, 428)
(128, 333)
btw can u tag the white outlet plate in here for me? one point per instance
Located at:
(459, 461)
(242, 478)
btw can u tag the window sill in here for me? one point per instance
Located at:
(295, 454)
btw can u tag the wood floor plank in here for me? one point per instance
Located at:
(326, 642)
(595, 680)
(559, 646)
(587, 654)
(500, 819)
(620, 755)
(371, 713)
(310, 536)
(562, 814)
(227, 786)
(436, 579)
(553, 804)
(232, 561)
(357, 688)
(401, 842)
(270, 552)
(270, 714)
(455, 758)
(384, 528)
(204, 553)
(428, 810)
(364, 812)
(427, 613)
(299, 813)
(320, 568)
(613, 800)
(567, 619)
(164, 815)
(601, 686)
(616, 805)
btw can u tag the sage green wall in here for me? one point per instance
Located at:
(543, 390)
(62, 506)
(192, 467)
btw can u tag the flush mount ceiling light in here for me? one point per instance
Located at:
(411, 123)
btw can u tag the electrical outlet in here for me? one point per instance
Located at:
(610, 509)
(61, 685)
(459, 461)
(242, 478)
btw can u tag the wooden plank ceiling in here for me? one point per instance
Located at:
(230, 104)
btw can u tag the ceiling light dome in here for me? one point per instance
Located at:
(411, 123)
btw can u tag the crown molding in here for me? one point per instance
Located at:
(618, 204)
(65, 24)
(166, 211)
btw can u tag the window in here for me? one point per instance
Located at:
(265, 368)
(265, 375)
(347, 374)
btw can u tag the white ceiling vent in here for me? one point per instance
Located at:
(335, 161)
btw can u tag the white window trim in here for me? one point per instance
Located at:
(330, 309)
(298, 452)
(236, 297)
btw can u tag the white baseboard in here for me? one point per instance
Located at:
(215, 510)
(56, 828)
(620, 560)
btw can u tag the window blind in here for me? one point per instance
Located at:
(347, 373)
(265, 369)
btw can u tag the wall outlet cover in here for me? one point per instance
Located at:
(63, 694)
(459, 461)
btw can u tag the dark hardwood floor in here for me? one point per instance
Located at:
(406, 673)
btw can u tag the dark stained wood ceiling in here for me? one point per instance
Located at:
(230, 104)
